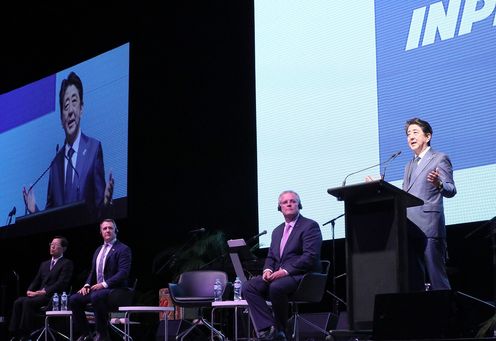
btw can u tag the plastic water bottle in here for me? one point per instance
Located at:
(237, 289)
(218, 290)
(55, 302)
(63, 301)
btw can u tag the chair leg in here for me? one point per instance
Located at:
(298, 317)
(48, 331)
(212, 328)
(183, 334)
(296, 335)
(120, 332)
(200, 321)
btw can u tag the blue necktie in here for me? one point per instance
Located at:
(413, 168)
(68, 189)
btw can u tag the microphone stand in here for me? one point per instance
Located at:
(336, 298)
(173, 258)
(39, 178)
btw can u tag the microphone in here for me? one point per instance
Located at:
(198, 230)
(57, 151)
(394, 156)
(11, 214)
(256, 236)
(379, 164)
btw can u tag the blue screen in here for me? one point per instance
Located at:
(336, 82)
(31, 130)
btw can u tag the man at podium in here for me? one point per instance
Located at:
(428, 176)
(294, 251)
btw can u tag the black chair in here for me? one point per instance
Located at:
(118, 298)
(310, 290)
(195, 289)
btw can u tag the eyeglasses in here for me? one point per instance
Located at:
(54, 244)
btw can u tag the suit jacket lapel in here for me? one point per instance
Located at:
(420, 168)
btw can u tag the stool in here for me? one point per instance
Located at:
(235, 305)
(143, 309)
(55, 313)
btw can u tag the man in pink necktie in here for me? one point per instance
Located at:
(294, 251)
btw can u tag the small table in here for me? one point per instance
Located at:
(144, 309)
(54, 313)
(235, 305)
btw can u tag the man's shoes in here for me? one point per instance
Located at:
(267, 334)
(271, 334)
(280, 336)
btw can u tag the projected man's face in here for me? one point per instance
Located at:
(71, 113)
(417, 139)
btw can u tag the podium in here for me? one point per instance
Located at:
(376, 245)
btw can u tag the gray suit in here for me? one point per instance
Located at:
(427, 230)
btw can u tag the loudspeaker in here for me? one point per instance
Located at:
(426, 315)
(324, 320)
(175, 327)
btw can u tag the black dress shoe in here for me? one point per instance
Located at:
(280, 336)
(267, 334)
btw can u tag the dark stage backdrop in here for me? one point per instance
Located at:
(192, 144)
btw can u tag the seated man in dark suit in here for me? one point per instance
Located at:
(294, 251)
(110, 270)
(54, 276)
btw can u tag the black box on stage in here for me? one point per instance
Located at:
(430, 314)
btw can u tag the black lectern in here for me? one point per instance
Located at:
(376, 245)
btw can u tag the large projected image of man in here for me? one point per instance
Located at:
(77, 172)
(428, 176)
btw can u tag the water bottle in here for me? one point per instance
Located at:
(55, 302)
(237, 289)
(63, 301)
(218, 290)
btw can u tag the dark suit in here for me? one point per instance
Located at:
(427, 230)
(53, 281)
(89, 181)
(116, 274)
(301, 255)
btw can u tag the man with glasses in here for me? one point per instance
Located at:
(54, 276)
